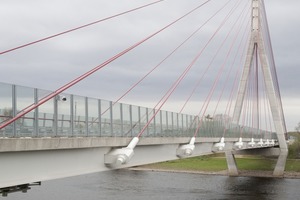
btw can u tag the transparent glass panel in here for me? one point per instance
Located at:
(158, 123)
(244, 130)
(105, 118)
(170, 118)
(79, 116)
(127, 130)
(135, 121)
(152, 124)
(230, 128)
(218, 132)
(25, 98)
(164, 125)
(143, 121)
(206, 127)
(175, 124)
(93, 119)
(117, 120)
(64, 115)
(180, 125)
(213, 127)
(6, 110)
(194, 124)
(46, 116)
(190, 127)
(121, 120)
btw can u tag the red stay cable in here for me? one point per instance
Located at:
(159, 64)
(133, 86)
(234, 86)
(222, 24)
(195, 119)
(231, 67)
(77, 28)
(248, 108)
(199, 81)
(172, 89)
(85, 75)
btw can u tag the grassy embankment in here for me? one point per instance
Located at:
(213, 163)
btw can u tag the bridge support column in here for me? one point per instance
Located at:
(280, 165)
(231, 164)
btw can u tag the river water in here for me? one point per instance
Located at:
(133, 185)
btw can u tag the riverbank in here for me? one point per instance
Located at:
(242, 173)
(248, 166)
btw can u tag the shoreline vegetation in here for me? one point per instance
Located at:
(215, 164)
(248, 166)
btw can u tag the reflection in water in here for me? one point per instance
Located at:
(127, 184)
(251, 187)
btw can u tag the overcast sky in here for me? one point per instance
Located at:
(53, 63)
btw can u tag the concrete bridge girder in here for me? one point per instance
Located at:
(32, 160)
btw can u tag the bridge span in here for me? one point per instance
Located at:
(79, 135)
(29, 160)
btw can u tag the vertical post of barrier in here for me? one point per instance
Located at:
(14, 109)
(147, 119)
(190, 125)
(187, 124)
(130, 116)
(111, 118)
(36, 115)
(154, 124)
(99, 117)
(161, 122)
(62, 124)
(177, 124)
(167, 122)
(86, 116)
(72, 114)
(172, 118)
(55, 115)
(121, 118)
(139, 118)
(180, 122)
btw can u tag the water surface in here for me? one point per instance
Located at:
(131, 185)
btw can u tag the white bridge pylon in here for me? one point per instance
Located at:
(257, 44)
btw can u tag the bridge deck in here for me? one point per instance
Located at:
(36, 144)
(27, 160)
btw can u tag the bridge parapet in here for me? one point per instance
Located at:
(70, 115)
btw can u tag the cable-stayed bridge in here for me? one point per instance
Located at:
(54, 134)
